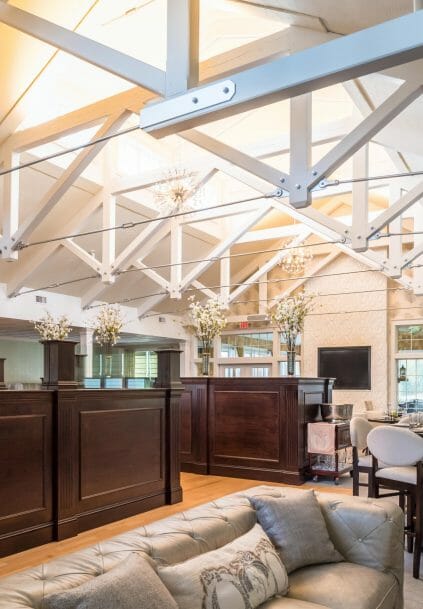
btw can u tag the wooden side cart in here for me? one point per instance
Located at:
(329, 449)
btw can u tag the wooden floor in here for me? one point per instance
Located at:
(197, 490)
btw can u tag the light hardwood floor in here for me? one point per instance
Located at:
(197, 490)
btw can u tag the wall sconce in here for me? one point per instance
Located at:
(402, 374)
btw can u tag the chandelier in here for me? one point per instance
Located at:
(178, 192)
(296, 259)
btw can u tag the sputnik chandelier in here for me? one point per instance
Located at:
(295, 260)
(178, 192)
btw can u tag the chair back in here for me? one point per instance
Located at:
(395, 446)
(359, 430)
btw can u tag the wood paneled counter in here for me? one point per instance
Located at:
(249, 427)
(71, 460)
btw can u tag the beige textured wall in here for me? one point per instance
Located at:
(350, 320)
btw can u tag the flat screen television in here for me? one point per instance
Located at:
(350, 366)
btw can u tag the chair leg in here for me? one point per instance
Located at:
(418, 521)
(371, 486)
(409, 522)
(355, 481)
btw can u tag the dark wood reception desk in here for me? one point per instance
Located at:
(249, 427)
(75, 459)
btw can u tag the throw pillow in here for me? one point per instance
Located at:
(242, 574)
(130, 585)
(296, 527)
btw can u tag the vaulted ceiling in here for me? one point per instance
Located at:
(48, 87)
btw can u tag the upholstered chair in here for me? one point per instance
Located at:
(402, 452)
(362, 461)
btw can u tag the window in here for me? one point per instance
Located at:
(410, 391)
(145, 364)
(283, 368)
(410, 338)
(255, 344)
(284, 346)
(264, 371)
(232, 372)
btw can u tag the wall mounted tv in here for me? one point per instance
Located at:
(350, 366)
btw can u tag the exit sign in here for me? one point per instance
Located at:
(243, 325)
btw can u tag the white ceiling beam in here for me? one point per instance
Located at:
(396, 209)
(269, 265)
(206, 291)
(139, 248)
(395, 243)
(365, 106)
(225, 244)
(150, 303)
(364, 132)
(143, 244)
(182, 65)
(62, 185)
(278, 232)
(300, 149)
(250, 164)
(316, 268)
(31, 262)
(108, 238)
(133, 99)
(10, 221)
(100, 55)
(225, 279)
(371, 50)
(153, 275)
(360, 201)
(175, 258)
(82, 254)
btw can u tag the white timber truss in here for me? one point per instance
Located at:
(188, 94)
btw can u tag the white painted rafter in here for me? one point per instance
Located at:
(269, 265)
(83, 255)
(32, 262)
(183, 25)
(316, 268)
(370, 50)
(100, 55)
(10, 218)
(62, 185)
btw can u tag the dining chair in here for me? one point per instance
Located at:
(402, 452)
(362, 460)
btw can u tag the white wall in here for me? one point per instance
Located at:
(365, 324)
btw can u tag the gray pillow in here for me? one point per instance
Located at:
(296, 527)
(133, 584)
(242, 574)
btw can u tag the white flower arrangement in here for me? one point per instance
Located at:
(51, 328)
(289, 315)
(208, 320)
(107, 325)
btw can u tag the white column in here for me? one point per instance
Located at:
(262, 294)
(86, 348)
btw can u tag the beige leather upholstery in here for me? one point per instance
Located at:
(366, 532)
(407, 474)
(361, 587)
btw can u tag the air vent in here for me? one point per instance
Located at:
(41, 299)
(162, 320)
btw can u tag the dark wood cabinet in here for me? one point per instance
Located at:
(249, 427)
(71, 460)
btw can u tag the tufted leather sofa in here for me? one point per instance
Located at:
(368, 533)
